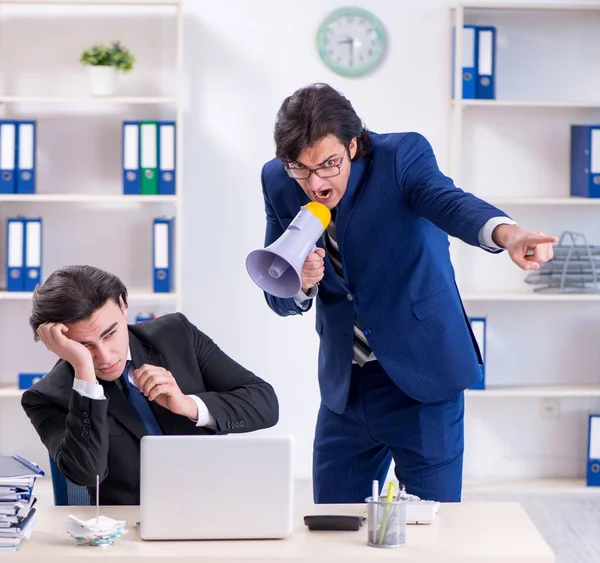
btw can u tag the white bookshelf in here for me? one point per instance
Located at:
(104, 100)
(540, 346)
(87, 198)
(541, 485)
(152, 90)
(530, 297)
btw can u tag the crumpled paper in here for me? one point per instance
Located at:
(100, 531)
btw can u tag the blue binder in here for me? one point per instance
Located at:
(585, 160)
(27, 380)
(485, 87)
(166, 157)
(468, 60)
(15, 254)
(33, 253)
(162, 240)
(143, 317)
(131, 157)
(8, 156)
(593, 462)
(26, 157)
(478, 328)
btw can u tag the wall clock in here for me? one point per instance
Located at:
(351, 41)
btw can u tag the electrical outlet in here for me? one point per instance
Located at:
(549, 408)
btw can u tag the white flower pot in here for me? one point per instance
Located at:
(103, 80)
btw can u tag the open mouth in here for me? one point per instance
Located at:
(323, 195)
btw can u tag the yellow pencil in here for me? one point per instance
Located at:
(389, 497)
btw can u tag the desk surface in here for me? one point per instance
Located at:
(478, 532)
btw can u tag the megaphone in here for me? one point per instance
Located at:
(276, 269)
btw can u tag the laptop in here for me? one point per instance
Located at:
(237, 486)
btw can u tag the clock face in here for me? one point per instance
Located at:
(351, 41)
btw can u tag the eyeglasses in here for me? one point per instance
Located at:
(325, 171)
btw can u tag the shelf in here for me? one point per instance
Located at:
(86, 198)
(96, 2)
(145, 296)
(540, 485)
(536, 391)
(543, 201)
(568, 6)
(9, 391)
(530, 297)
(134, 100)
(525, 104)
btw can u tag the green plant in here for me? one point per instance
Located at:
(115, 55)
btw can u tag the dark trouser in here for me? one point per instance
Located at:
(380, 422)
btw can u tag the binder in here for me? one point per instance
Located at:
(8, 155)
(17, 467)
(593, 463)
(26, 143)
(131, 157)
(485, 87)
(163, 254)
(27, 380)
(149, 157)
(478, 328)
(15, 254)
(144, 317)
(33, 253)
(166, 157)
(468, 61)
(585, 160)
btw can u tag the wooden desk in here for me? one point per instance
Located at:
(466, 532)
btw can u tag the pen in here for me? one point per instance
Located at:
(389, 498)
(374, 506)
(97, 497)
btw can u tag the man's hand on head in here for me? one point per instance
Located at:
(53, 337)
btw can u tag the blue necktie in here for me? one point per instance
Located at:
(140, 403)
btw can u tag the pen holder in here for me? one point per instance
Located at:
(386, 522)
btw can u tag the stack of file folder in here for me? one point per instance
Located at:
(17, 500)
(575, 267)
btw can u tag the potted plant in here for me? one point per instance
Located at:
(104, 62)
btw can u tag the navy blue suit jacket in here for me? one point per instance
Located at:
(392, 228)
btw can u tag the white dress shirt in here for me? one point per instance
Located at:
(96, 391)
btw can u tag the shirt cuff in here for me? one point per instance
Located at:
(302, 298)
(89, 389)
(204, 417)
(485, 234)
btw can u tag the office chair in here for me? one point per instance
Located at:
(67, 493)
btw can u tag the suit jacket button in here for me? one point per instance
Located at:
(367, 332)
(85, 433)
(85, 414)
(242, 424)
(349, 297)
(86, 421)
(228, 425)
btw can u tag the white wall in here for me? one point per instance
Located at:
(241, 60)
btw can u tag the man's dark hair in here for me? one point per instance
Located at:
(313, 112)
(72, 294)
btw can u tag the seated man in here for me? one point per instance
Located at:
(115, 383)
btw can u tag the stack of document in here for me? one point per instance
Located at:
(98, 531)
(17, 501)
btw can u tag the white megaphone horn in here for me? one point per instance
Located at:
(276, 269)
